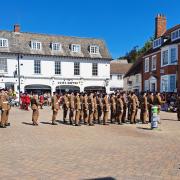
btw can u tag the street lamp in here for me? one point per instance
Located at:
(19, 75)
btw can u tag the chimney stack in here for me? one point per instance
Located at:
(160, 25)
(17, 28)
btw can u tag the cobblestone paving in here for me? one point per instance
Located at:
(67, 152)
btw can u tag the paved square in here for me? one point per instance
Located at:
(67, 152)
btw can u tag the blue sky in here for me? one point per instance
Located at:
(123, 24)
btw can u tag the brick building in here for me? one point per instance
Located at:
(161, 62)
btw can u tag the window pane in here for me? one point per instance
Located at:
(172, 83)
(153, 64)
(37, 66)
(57, 67)
(164, 83)
(173, 55)
(165, 57)
(76, 68)
(3, 64)
(94, 69)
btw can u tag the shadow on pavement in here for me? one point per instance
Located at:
(168, 119)
(103, 178)
(61, 122)
(31, 124)
(144, 128)
(45, 122)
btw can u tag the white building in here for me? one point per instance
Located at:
(50, 63)
(118, 69)
(133, 78)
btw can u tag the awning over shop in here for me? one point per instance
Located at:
(94, 88)
(67, 88)
(37, 87)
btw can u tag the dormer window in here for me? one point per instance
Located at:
(157, 43)
(36, 45)
(94, 49)
(56, 46)
(76, 48)
(3, 42)
(175, 35)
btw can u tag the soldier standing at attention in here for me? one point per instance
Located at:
(77, 105)
(85, 108)
(99, 107)
(81, 110)
(95, 108)
(144, 108)
(5, 108)
(178, 106)
(124, 107)
(129, 106)
(105, 109)
(55, 107)
(34, 106)
(119, 109)
(65, 107)
(137, 107)
(91, 109)
(150, 100)
(71, 108)
(132, 108)
(113, 108)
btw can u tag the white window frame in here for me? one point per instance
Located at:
(36, 45)
(77, 69)
(119, 77)
(167, 77)
(168, 48)
(153, 62)
(176, 49)
(157, 43)
(56, 46)
(94, 49)
(175, 35)
(94, 69)
(76, 48)
(3, 65)
(3, 43)
(162, 51)
(137, 78)
(57, 67)
(146, 65)
(35, 66)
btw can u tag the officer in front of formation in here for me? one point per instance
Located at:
(65, 107)
(35, 109)
(5, 108)
(143, 108)
(55, 107)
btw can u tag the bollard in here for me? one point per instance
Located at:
(154, 117)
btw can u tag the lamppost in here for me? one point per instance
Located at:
(19, 74)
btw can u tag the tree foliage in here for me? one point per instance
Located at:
(136, 52)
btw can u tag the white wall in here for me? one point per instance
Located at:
(48, 77)
(116, 83)
(136, 83)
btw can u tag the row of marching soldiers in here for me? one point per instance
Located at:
(93, 108)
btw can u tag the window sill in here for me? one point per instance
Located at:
(173, 64)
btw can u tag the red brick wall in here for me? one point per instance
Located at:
(171, 69)
(160, 25)
(178, 68)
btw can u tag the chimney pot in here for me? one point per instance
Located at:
(17, 28)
